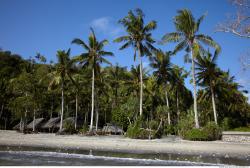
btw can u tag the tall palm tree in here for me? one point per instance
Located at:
(92, 58)
(208, 75)
(161, 62)
(187, 36)
(139, 38)
(64, 69)
(178, 78)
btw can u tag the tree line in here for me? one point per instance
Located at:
(80, 86)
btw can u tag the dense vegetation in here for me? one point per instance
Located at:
(146, 105)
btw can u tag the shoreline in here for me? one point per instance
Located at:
(126, 145)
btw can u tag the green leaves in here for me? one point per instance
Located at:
(139, 35)
(171, 37)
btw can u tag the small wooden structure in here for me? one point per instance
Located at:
(51, 125)
(112, 129)
(38, 123)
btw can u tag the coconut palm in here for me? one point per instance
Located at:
(139, 38)
(63, 71)
(187, 36)
(92, 58)
(178, 79)
(161, 62)
(207, 75)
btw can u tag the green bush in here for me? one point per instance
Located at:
(135, 131)
(242, 129)
(153, 124)
(226, 124)
(84, 129)
(170, 130)
(69, 127)
(213, 131)
(185, 124)
(196, 135)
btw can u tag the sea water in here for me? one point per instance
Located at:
(30, 156)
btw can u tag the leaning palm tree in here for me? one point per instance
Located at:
(163, 67)
(92, 58)
(208, 75)
(188, 38)
(64, 70)
(139, 38)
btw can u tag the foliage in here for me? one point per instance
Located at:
(69, 127)
(213, 131)
(84, 129)
(242, 129)
(226, 124)
(196, 134)
(170, 130)
(185, 124)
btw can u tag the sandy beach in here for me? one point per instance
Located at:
(122, 144)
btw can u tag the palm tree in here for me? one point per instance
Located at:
(92, 58)
(64, 69)
(161, 62)
(178, 78)
(208, 75)
(188, 38)
(139, 37)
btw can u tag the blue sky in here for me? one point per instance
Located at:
(45, 26)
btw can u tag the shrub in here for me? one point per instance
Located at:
(213, 131)
(226, 124)
(243, 129)
(136, 131)
(196, 135)
(185, 124)
(170, 130)
(153, 124)
(84, 129)
(69, 127)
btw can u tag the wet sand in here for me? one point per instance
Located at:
(122, 144)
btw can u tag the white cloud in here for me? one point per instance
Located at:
(107, 26)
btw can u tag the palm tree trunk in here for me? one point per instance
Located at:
(97, 118)
(166, 93)
(1, 110)
(34, 119)
(177, 107)
(76, 111)
(141, 81)
(195, 98)
(61, 123)
(92, 108)
(214, 107)
(21, 124)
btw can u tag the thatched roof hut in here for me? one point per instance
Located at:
(72, 120)
(112, 129)
(52, 123)
(17, 127)
(38, 123)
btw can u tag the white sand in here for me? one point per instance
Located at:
(120, 143)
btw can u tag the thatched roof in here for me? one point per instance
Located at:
(112, 129)
(52, 123)
(17, 127)
(38, 123)
(72, 119)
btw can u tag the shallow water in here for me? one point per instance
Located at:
(25, 156)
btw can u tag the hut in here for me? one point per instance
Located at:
(51, 125)
(17, 127)
(112, 129)
(72, 120)
(38, 123)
